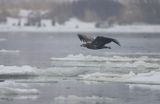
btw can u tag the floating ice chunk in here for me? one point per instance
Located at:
(131, 74)
(150, 77)
(142, 86)
(17, 91)
(16, 70)
(115, 63)
(136, 64)
(72, 99)
(101, 77)
(141, 78)
(62, 72)
(9, 51)
(29, 71)
(81, 57)
(7, 93)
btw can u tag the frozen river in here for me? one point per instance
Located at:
(52, 68)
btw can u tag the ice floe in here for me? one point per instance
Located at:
(72, 99)
(10, 90)
(4, 51)
(144, 86)
(14, 72)
(117, 68)
(110, 63)
(7, 93)
(62, 72)
(141, 78)
(135, 68)
(81, 57)
(17, 91)
(7, 72)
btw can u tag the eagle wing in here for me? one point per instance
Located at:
(116, 41)
(85, 38)
(100, 41)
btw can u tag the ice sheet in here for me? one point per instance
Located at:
(10, 90)
(72, 99)
(81, 57)
(116, 68)
(141, 78)
(4, 51)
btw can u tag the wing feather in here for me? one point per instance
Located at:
(85, 38)
(101, 41)
(116, 41)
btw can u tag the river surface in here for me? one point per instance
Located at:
(52, 68)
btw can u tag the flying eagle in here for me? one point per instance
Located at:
(97, 43)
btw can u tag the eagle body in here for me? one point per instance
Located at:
(98, 43)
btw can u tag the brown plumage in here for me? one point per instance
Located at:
(98, 43)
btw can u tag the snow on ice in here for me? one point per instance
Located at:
(125, 69)
(72, 99)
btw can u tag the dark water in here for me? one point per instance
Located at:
(37, 49)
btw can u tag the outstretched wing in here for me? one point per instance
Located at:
(85, 38)
(116, 41)
(101, 41)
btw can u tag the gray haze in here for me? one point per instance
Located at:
(110, 11)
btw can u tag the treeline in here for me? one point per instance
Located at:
(110, 11)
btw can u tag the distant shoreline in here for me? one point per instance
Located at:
(114, 29)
